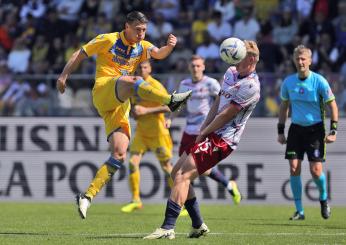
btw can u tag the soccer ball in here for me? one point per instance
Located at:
(232, 50)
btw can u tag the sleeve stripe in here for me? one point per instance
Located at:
(82, 50)
(330, 99)
(283, 98)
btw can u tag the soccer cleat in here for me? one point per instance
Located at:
(161, 233)
(83, 203)
(177, 100)
(132, 206)
(297, 216)
(183, 212)
(236, 196)
(203, 230)
(325, 209)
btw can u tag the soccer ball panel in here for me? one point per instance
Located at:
(232, 50)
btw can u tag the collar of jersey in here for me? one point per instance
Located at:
(123, 39)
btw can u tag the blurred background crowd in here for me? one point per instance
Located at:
(37, 37)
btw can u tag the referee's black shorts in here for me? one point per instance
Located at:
(309, 139)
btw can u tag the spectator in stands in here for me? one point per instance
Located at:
(8, 31)
(178, 70)
(34, 8)
(90, 7)
(341, 96)
(286, 29)
(3, 55)
(109, 7)
(19, 57)
(311, 29)
(28, 31)
(39, 54)
(74, 45)
(226, 8)
(52, 22)
(325, 53)
(181, 51)
(16, 92)
(69, 12)
(208, 49)
(183, 27)
(56, 56)
(126, 6)
(271, 101)
(102, 25)
(5, 77)
(266, 9)
(36, 102)
(45, 102)
(91, 26)
(199, 26)
(84, 29)
(247, 27)
(168, 8)
(340, 30)
(304, 9)
(218, 29)
(160, 28)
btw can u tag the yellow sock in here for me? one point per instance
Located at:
(134, 181)
(102, 177)
(148, 92)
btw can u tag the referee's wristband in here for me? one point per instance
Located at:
(333, 132)
(281, 128)
(333, 125)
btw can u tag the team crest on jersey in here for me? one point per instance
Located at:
(316, 153)
(161, 151)
(301, 90)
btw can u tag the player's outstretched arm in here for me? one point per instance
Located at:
(70, 66)
(331, 137)
(163, 52)
(283, 114)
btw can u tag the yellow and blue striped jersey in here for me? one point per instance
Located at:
(152, 124)
(115, 56)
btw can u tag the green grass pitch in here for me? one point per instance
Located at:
(32, 223)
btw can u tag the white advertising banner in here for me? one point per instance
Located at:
(52, 159)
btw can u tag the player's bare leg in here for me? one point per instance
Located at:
(167, 168)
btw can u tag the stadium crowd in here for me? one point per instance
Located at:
(38, 36)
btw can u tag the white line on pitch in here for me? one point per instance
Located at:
(232, 234)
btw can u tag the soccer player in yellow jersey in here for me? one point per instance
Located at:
(117, 57)
(151, 134)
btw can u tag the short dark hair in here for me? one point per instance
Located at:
(136, 16)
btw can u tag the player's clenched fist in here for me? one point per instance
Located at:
(172, 40)
(61, 84)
